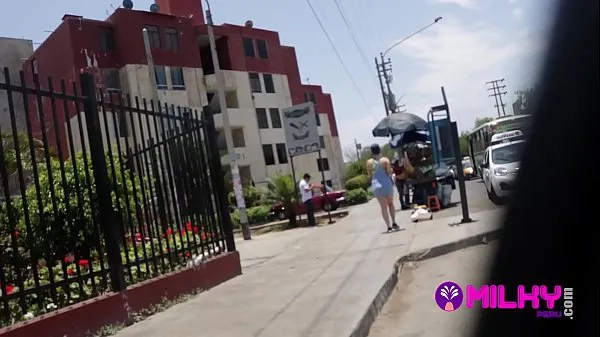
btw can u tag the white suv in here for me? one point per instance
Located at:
(500, 167)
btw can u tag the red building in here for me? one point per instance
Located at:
(179, 38)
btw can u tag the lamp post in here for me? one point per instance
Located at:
(384, 66)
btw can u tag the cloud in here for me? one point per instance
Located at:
(462, 57)
(517, 13)
(468, 4)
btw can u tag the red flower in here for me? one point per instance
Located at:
(188, 227)
(69, 258)
(169, 232)
(188, 254)
(17, 234)
(84, 263)
(138, 237)
(196, 230)
(9, 289)
(70, 272)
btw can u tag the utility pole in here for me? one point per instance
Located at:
(388, 80)
(358, 147)
(235, 172)
(389, 100)
(383, 94)
(150, 61)
(497, 89)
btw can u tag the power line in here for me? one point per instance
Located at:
(337, 53)
(347, 23)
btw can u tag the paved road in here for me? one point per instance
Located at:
(411, 310)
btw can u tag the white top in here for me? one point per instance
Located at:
(305, 190)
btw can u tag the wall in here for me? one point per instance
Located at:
(13, 52)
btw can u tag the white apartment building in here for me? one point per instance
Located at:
(254, 103)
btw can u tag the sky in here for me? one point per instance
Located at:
(475, 42)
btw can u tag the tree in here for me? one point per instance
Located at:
(480, 121)
(282, 189)
(464, 143)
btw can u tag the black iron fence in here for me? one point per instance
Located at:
(101, 191)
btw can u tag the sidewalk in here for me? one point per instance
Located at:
(308, 281)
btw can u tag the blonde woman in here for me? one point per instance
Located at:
(379, 170)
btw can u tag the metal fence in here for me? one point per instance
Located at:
(101, 191)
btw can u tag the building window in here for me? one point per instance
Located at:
(171, 39)
(323, 164)
(310, 97)
(161, 77)
(255, 82)
(322, 142)
(269, 86)
(238, 137)
(261, 45)
(231, 99)
(268, 154)
(153, 36)
(123, 126)
(177, 78)
(249, 47)
(329, 183)
(107, 39)
(318, 119)
(275, 118)
(112, 81)
(281, 153)
(261, 117)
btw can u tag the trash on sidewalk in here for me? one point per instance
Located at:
(421, 213)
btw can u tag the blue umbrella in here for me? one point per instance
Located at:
(399, 123)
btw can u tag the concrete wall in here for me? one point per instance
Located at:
(13, 52)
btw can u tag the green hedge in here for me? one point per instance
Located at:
(252, 196)
(255, 215)
(361, 181)
(357, 196)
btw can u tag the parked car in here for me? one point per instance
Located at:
(333, 201)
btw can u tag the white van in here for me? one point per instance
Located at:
(501, 162)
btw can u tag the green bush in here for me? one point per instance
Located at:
(63, 227)
(356, 169)
(252, 196)
(361, 181)
(256, 214)
(357, 196)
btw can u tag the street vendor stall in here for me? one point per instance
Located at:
(409, 135)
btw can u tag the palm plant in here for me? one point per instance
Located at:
(282, 188)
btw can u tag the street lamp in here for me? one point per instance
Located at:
(382, 70)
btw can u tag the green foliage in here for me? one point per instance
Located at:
(356, 168)
(360, 181)
(258, 214)
(282, 188)
(62, 214)
(464, 143)
(252, 196)
(357, 196)
(480, 121)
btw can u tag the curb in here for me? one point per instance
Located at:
(364, 325)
